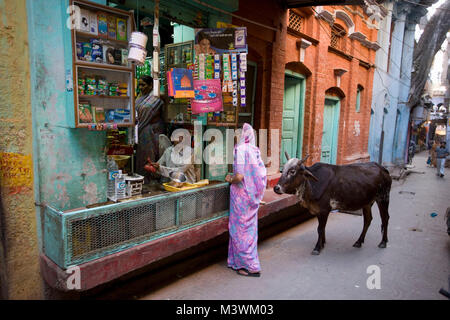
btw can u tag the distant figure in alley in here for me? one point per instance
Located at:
(441, 155)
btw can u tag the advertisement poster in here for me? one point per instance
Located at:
(208, 96)
(220, 40)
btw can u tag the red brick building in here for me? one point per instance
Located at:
(317, 56)
(333, 48)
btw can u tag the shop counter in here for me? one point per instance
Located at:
(81, 235)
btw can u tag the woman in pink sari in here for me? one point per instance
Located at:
(248, 183)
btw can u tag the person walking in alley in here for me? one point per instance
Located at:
(441, 154)
(248, 183)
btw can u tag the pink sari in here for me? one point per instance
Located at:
(244, 203)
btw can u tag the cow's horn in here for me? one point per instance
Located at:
(305, 158)
(287, 155)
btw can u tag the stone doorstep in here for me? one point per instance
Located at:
(99, 271)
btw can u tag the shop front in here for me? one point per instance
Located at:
(104, 185)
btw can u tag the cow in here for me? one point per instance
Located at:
(323, 187)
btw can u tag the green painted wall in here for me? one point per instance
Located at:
(70, 162)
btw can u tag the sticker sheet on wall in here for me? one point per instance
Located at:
(221, 54)
(208, 96)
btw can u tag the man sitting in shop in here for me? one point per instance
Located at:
(172, 160)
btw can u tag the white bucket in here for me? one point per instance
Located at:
(137, 55)
(138, 39)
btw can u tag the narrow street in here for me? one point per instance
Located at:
(415, 265)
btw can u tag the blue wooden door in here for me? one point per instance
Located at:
(292, 107)
(330, 131)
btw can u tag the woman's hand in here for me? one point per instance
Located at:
(237, 178)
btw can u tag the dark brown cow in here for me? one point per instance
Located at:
(323, 187)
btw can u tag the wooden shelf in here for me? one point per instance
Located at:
(103, 97)
(103, 66)
(82, 34)
(85, 125)
(222, 124)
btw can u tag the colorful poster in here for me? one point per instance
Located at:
(183, 83)
(220, 40)
(208, 96)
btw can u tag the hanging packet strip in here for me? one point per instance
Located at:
(201, 66)
(196, 68)
(226, 67)
(234, 74)
(216, 66)
(242, 69)
(243, 62)
(235, 93)
(209, 67)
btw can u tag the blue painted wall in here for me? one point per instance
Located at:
(391, 85)
(70, 163)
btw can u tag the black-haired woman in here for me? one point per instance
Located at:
(150, 124)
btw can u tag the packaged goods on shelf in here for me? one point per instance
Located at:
(93, 23)
(79, 50)
(108, 54)
(113, 89)
(99, 115)
(121, 29)
(97, 51)
(124, 57)
(112, 27)
(85, 113)
(102, 86)
(81, 86)
(102, 25)
(118, 56)
(85, 21)
(122, 115)
(109, 115)
(87, 52)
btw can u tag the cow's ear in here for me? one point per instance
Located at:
(308, 174)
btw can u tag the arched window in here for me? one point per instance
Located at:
(337, 37)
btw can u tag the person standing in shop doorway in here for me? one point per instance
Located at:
(441, 154)
(248, 183)
(149, 110)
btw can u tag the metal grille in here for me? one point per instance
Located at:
(295, 21)
(101, 233)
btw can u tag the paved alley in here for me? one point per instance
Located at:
(415, 265)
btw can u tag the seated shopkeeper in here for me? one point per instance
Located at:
(172, 160)
(149, 110)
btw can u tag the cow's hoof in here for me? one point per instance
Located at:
(357, 244)
(315, 252)
(382, 244)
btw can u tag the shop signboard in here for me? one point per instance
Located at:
(220, 40)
